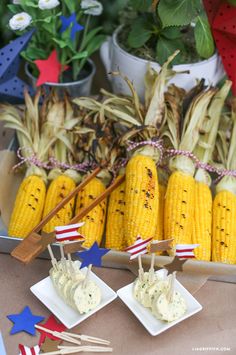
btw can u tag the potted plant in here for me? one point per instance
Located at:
(58, 54)
(152, 30)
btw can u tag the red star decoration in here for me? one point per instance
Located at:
(51, 324)
(49, 69)
(221, 16)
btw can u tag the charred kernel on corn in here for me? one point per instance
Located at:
(160, 214)
(202, 226)
(28, 207)
(115, 218)
(94, 225)
(57, 191)
(224, 228)
(141, 199)
(179, 202)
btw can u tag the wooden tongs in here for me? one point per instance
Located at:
(34, 244)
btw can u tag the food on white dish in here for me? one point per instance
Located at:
(69, 282)
(157, 294)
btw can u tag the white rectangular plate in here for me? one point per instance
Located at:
(46, 293)
(153, 325)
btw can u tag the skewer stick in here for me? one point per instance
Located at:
(59, 335)
(88, 338)
(63, 259)
(152, 270)
(87, 348)
(140, 268)
(73, 350)
(53, 259)
(87, 275)
(82, 337)
(170, 293)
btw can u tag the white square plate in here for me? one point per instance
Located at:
(153, 325)
(46, 293)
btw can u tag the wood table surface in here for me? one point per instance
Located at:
(214, 326)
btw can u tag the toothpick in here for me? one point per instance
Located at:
(87, 275)
(170, 293)
(88, 338)
(140, 266)
(63, 259)
(53, 259)
(58, 335)
(87, 348)
(152, 270)
(73, 350)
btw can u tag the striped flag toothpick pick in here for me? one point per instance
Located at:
(24, 350)
(67, 233)
(185, 251)
(138, 248)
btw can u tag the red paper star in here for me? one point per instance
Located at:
(49, 69)
(51, 324)
(221, 16)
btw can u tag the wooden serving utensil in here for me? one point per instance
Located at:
(31, 246)
(34, 244)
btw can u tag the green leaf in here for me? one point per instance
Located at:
(63, 44)
(171, 32)
(35, 53)
(141, 5)
(90, 35)
(70, 5)
(203, 38)
(139, 34)
(166, 47)
(14, 8)
(232, 2)
(95, 44)
(80, 55)
(178, 12)
(31, 4)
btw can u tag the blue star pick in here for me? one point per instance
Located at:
(11, 87)
(92, 256)
(67, 21)
(24, 321)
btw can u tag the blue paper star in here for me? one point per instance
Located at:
(92, 256)
(11, 87)
(24, 321)
(67, 21)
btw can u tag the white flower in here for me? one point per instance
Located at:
(20, 21)
(48, 4)
(16, 2)
(91, 7)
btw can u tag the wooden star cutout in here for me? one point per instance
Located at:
(175, 265)
(50, 345)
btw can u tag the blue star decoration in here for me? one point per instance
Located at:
(24, 321)
(12, 87)
(92, 256)
(66, 23)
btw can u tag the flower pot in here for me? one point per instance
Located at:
(81, 87)
(115, 58)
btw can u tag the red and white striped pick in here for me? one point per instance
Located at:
(185, 251)
(24, 350)
(138, 248)
(69, 232)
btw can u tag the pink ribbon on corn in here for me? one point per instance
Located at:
(156, 144)
(201, 165)
(51, 164)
